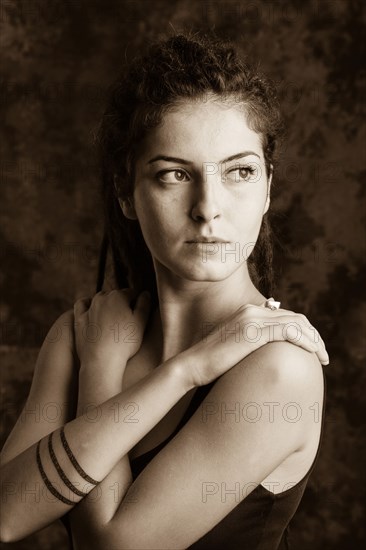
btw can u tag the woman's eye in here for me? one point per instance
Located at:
(172, 176)
(242, 173)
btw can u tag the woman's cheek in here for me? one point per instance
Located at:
(155, 229)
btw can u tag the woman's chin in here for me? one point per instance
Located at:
(210, 271)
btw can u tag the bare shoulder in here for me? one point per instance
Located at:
(62, 330)
(281, 364)
(53, 393)
(278, 377)
(290, 362)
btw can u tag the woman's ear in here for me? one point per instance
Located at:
(126, 205)
(128, 208)
(268, 200)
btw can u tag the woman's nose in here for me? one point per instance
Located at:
(206, 205)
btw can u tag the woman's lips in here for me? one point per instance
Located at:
(207, 240)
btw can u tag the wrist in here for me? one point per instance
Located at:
(99, 381)
(95, 364)
(180, 368)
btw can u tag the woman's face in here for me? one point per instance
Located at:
(200, 177)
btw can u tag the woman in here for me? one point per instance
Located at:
(139, 457)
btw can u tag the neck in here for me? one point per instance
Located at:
(188, 309)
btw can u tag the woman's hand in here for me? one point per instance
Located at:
(107, 329)
(222, 346)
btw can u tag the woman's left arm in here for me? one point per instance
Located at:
(235, 439)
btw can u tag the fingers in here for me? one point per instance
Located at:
(312, 336)
(297, 333)
(312, 341)
(322, 353)
(306, 342)
(122, 297)
(81, 306)
(119, 297)
(127, 296)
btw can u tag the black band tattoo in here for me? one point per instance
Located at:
(60, 471)
(47, 482)
(73, 460)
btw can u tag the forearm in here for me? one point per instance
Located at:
(94, 512)
(98, 442)
(103, 501)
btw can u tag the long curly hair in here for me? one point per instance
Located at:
(187, 66)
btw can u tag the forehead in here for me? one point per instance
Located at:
(202, 130)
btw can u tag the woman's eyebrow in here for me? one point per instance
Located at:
(168, 159)
(183, 161)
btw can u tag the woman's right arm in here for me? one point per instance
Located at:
(98, 438)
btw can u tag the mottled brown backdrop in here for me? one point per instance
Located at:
(59, 56)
